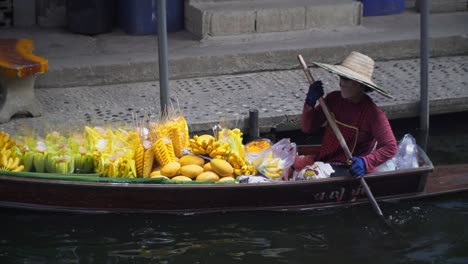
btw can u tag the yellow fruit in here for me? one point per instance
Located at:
(207, 167)
(191, 159)
(155, 173)
(227, 179)
(257, 145)
(191, 170)
(171, 169)
(221, 167)
(148, 159)
(181, 178)
(206, 137)
(159, 176)
(207, 176)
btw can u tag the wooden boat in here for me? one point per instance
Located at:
(102, 195)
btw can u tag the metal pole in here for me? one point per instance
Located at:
(162, 56)
(254, 131)
(424, 98)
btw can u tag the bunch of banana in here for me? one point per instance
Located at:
(9, 158)
(234, 138)
(199, 144)
(272, 168)
(208, 145)
(241, 166)
(9, 163)
(218, 150)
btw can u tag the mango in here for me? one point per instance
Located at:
(227, 180)
(159, 176)
(171, 169)
(191, 171)
(207, 176)
(222, 167)
(155, 173)
(181, 178)
(191, 159)
(207, 167)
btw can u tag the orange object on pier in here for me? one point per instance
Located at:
(17, 60)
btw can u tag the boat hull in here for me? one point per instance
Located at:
(62, 195)
(93, 194)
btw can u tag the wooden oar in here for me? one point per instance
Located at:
(339, 136)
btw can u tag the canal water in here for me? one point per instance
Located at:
(423, 231)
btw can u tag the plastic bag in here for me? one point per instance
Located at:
(256, 150)
(253, 179)
(318, 170)
(389, 165)
(278, 159)
(407, 155)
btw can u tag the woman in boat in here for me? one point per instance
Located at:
(363, 124)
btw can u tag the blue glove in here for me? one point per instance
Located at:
(314, 93)
(358, 168)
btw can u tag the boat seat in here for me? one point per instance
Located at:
(18, 70)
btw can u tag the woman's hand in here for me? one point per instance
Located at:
(314, 93)
(358, 168)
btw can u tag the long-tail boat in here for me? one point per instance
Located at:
(96, 194)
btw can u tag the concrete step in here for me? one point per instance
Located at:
(79, 60)
(227, 17)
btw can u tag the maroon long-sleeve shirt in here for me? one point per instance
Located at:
(375, 141)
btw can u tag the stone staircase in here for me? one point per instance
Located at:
(211, 18)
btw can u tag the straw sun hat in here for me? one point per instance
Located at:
(357, 67)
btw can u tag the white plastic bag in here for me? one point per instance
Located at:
(407, 155)
(318, 170)
(276, 162)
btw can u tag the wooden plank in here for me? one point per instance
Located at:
(447, 179)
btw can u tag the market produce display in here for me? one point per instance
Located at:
(161, 149)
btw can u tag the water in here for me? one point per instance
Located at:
(424, 231)
(429, 231)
